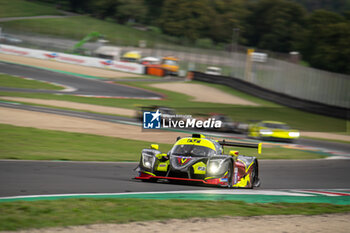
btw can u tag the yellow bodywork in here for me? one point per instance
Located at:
(196, 141)
(170, 64)
(132, 56)
(163, 166)
(243, 182)
(200, 168)
(197, 170)
(259, 131)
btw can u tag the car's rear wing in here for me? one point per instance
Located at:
(242, 144)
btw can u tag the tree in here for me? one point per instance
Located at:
(130, 10)
(326, 44)
(332, 5)
(154, 11)
(104, 8)
(275, 25)
(182, 18)
(229, 14)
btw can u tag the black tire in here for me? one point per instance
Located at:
(230, 175)
(255, 176)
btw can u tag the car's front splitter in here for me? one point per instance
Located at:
(209, 181)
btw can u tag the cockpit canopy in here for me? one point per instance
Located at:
(197, 146)
(192, 150)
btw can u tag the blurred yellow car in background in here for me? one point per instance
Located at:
(273, 130)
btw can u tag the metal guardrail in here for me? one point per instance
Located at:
(280, 98)
(278, 76)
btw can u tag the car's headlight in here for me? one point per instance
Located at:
(215, 166)
(265, 132)
(294, 134)
(148, 160)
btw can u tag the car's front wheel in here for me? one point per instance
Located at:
(230, 176)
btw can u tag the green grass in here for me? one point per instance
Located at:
(21, 8)
(328, 140)
(38, 144)
(77, 27)
(268, 111)
(17, 82)
(278, 153)
(183, 104)
(59, 213)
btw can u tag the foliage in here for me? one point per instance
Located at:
(326, 44)
(189, 19)
(21, 8)
(331, 5)
(204, 43)
(275, 25)
(130, 10)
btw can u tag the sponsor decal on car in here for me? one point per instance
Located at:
(223, 179)
(183, 160)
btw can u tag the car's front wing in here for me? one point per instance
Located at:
(210, 181)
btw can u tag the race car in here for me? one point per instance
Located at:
(273, 131)
(202, 160)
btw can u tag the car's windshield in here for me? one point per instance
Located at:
(192, 150)
(275, 126)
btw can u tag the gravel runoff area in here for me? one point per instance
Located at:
(202, 93)
(103, 73)
(280, 223)
(319, 223)
(72, 124)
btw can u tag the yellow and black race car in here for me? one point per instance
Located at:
(273, 130)
(200, 159)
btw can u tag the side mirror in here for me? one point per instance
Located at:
(155, 146)
(234, 153)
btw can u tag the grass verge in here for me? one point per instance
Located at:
(21, 8)
(328, 140)
(267, 111)
(17, 82)
(183, 104)
(39, 214)
(38, 144)
(77, 27)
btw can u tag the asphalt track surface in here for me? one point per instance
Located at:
(41, 177)
(342, 147)
(83, 86)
